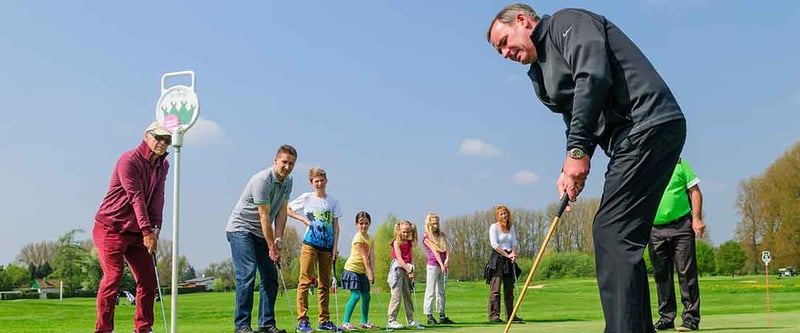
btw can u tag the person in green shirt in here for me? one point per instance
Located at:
(678, 221)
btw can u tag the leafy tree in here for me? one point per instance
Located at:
(43, 270)
(706, 262)
(730, 258)
(5, 281)
(69, 261)
(223, 273)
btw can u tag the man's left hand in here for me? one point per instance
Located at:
(699, 227)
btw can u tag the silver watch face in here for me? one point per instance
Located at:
(576, 153)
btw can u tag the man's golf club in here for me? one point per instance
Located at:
(285, 291)
(564, 203)
(160, 295)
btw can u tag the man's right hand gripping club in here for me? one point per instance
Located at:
(573, 174)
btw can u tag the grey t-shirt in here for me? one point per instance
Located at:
(263, 188)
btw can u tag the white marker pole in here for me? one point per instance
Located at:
(766, 257)
(178, 120)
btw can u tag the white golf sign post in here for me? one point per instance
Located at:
(766, 257)
(177, 110)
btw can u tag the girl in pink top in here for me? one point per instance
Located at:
(401, 274)
(436, 246)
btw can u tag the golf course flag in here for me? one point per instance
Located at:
(177, 110)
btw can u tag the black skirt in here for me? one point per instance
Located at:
(355, 281)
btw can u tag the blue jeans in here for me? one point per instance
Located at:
(250, 252)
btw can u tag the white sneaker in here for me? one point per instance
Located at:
(394, 324)
(416, 325)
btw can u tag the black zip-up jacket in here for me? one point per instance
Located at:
(597, 79)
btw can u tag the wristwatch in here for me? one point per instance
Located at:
(576, 153)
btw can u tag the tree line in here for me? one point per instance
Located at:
(769, 205)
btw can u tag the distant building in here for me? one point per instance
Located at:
(43, 287)
(207, 283)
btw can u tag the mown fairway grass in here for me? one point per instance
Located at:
(571, 305)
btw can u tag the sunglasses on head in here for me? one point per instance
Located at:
(163, 138)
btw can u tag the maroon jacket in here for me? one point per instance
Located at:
(135, 198)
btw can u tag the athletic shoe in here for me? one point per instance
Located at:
(244, 330)
(687, 326)
(517, 320)
(369, 326)
(431, 320)
(416, 325)
(303, 326)
(445, 320)
(271, 329)
(496, 320)
(347, 327)
(664, 324)
(395, 324)
(328, 326)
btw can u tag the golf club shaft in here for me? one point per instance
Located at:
(564, 203)
(160, 295)
(335, 290)
(285, 291)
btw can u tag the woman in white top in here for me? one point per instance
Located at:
(502, 267)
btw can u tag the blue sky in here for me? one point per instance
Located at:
(403, 103)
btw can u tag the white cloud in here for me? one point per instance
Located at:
(525, 177)
(204, 132)
(477, 147)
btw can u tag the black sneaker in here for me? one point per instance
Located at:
(517, 320)
(445, 320)
(496, 320)
(431, 320)
(664, 324)
(244, 330)
(687, 326)
(272, 329)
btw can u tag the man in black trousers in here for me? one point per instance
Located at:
(679, 219)
(583, 67)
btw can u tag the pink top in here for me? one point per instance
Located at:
(431, 256)
(405, 251)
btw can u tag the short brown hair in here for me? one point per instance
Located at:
(287, 149)
(316, 172)
(507, 14)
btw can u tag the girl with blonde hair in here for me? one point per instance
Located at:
(436, 247)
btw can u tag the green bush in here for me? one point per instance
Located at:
(566, 265)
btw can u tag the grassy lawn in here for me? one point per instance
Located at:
(572, 305)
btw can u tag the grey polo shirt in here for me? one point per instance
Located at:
(263, 188)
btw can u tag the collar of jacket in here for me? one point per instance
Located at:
(539, 35)
(144, 151)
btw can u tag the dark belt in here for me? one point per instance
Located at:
(680, 219)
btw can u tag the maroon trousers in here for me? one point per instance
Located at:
(112, 249)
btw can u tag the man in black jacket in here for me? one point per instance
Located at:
(583, 67)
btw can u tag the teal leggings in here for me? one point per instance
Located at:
(355, 295)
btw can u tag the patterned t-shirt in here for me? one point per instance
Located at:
(320, 213)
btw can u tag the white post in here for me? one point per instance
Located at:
(177, 142)
(178, 121)
(766, 257)
(60, 291)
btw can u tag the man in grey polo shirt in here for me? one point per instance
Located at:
(254, 245)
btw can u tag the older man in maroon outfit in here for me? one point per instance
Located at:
(127, 226)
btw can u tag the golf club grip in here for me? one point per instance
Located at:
(563, 206)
